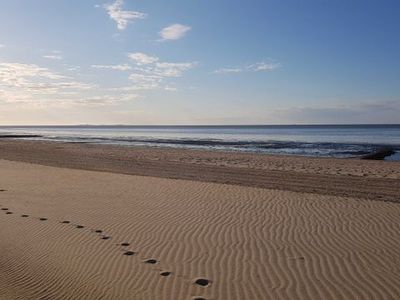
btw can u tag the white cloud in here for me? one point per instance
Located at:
(65, 99)
(16, 73)
(142, 59)
(29, 83)
(53, 56)
(170, 89)
(174, 32)
(120, 16)
(264, 66)
(113, 67)
(228, 70)
(73, 68)
(145, 82)
(12, 96)
(103, 99)
(257, 67)
(165, 69)
(151, 73)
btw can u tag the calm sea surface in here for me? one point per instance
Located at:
(312, 140)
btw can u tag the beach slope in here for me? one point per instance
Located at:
(78, 234)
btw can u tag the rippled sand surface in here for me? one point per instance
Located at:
(76, 234)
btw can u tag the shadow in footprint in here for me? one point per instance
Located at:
(105, 237)
(129, 253)
(125, 244)
(150, 261)
(4, 208)
(165, 273)
(9, 213)
(43, 219)
(24, 216)
(98, 231)
(1, 190)
(198, 298)
(65, 222)
(80, 226)
(202, 281)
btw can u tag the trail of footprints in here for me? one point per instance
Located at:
(203, 282)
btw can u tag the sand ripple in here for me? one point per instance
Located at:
(173, 239)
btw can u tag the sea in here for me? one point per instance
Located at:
(307, 140)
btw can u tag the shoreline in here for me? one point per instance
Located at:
(380, 153)
(365, 179)
(346, 141)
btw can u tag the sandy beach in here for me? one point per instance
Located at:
(199, 150)
(81, 221)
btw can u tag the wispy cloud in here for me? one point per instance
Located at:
(151, 72)
(113, 67)
(35, 86)
(257, 67)
(228, 70)
(103, 100)
(65, 100)
(168, 69)
(174, 32)
(170, 89)
(142, 59)
(29, 82)
(53, 56)
(264, 66)
(120, 16)
(73, 68)
(2, 45)
(145, 81)
(17, 74)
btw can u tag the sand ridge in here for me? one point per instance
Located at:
(249, 243)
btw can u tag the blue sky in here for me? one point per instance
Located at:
(199, 62)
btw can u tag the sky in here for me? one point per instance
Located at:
(221, 62)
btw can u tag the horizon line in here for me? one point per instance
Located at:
(203, 125)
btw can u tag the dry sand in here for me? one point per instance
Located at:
(249, 242)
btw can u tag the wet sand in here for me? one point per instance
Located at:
(367, 179)
(170, 227)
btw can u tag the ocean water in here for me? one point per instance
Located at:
(308, 140)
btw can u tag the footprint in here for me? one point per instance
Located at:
(98, 231)
(165, 273)
(125, 244)
(4, 208)
(2, 190)
(198, 298)
(105, 237)
(65, 222)
(129, 253)
(24, 216)
(202, 281)
(43, 219)
(9, 213)
(80, 226)
(150, 261)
